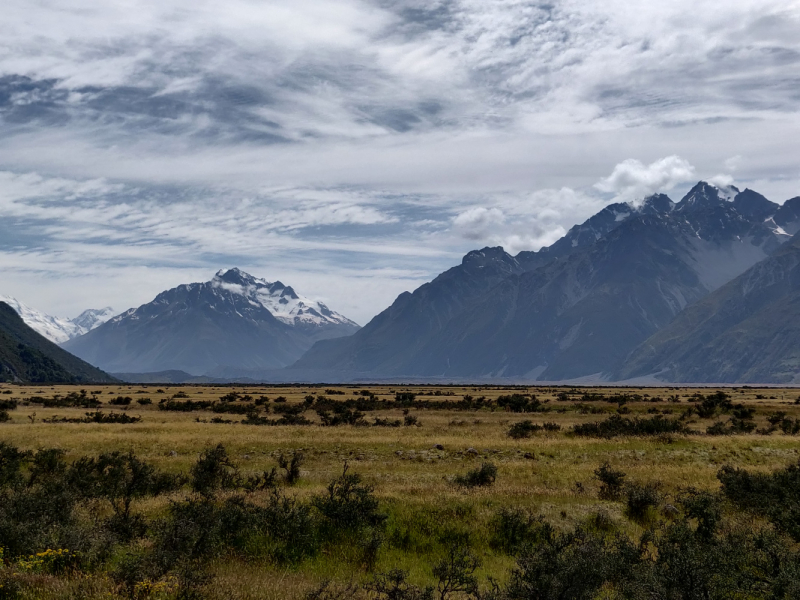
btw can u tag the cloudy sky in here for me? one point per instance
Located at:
(355, 148)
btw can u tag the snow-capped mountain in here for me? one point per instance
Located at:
(59, 329)
(233, 322)
(575, 309)
(281, 300)
(92, 317)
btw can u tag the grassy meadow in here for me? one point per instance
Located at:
(411, 464)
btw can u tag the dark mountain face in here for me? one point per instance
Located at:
(748, 331)
(572, 310)
(753, 206)
(234, 320)
(398, 333)
(788, 216)
(28, 357)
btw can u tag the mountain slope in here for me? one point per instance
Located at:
(28, 357)
(608, 285)
(58, 329)
(747, 331)
(235, 320)
(390, 342)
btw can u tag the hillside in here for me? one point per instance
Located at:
(28, 357)
(747, 331)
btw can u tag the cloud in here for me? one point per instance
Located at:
(334, 141)
(478, 223)
(721, 180)
(632, 180)
(525, 221)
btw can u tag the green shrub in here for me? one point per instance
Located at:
(9, 404)
(523, 429)
(393, 586)
(640, 499)
(214, 470)
(348, 505)
(775, 496)
(618, 426)
(483, 476)
(611, 482)
(291, 466)
(512, 529)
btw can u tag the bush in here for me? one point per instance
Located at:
(611, 482)
(186, 406)
(519, 403)
(456, 570)
(483, 476)
(575, 565)
(4, 416)
(617, 426)
(214, 470)
(641, 499)
(772, 495)
(523, 429)
(348, 505)
(393, 586)
(734, 426)
(291, 466)
(512, 529)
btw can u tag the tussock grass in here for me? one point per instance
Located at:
(412, 468)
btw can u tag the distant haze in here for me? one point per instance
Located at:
(355, 149)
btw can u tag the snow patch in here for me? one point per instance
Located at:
(59, 329)
(280, 300)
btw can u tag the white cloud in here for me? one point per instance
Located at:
(721, 180)
(178, 136)
(479, 223)
(632, 180)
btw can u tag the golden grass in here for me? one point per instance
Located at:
(551, 473)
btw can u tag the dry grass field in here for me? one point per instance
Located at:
(411, 467)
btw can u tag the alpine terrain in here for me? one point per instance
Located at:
(28, 357)
(747, 331)
(575, 309)
(235, 323)
(59, 329)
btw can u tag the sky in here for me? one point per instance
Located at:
(354, 149)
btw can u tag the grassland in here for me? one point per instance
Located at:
(412, 468)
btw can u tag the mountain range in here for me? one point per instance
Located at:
(699, 290)
(574, 310)
(28, 357)
(59, 329)
(233, 324)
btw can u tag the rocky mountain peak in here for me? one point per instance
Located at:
(657, 204)
(753, 205)
(487, 255)
(235, 276)
(702, 196)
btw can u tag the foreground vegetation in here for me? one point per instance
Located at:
(398, 492)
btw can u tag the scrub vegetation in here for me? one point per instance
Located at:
(399, 492)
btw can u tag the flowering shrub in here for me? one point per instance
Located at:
(50, 561)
